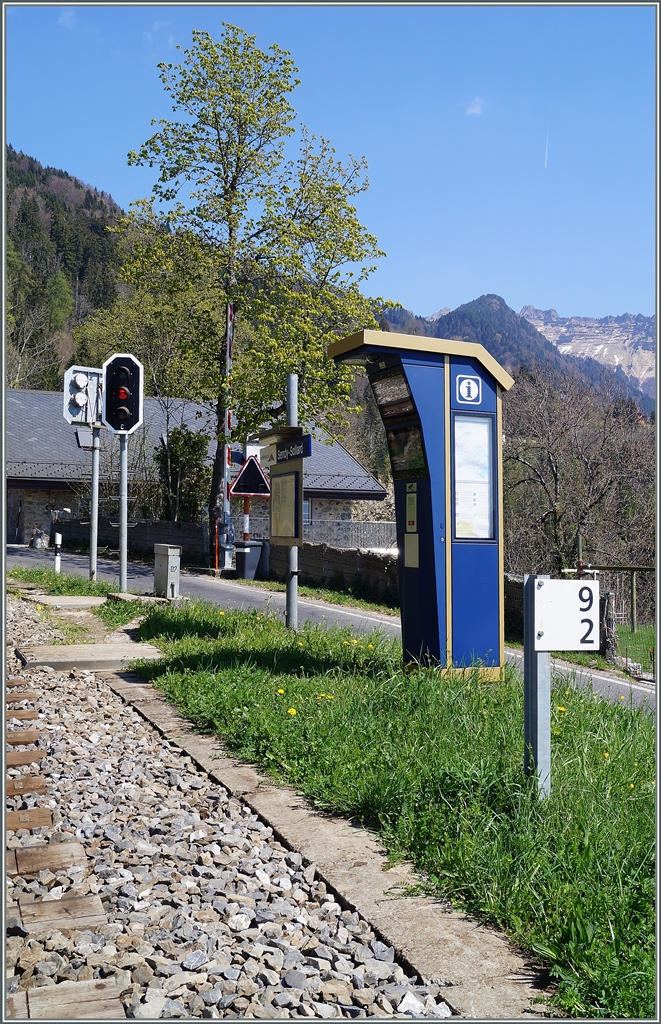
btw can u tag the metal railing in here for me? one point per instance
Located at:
(349, 534)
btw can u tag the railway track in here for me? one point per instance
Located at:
(138, 888)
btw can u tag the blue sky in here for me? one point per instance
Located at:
(511, 149)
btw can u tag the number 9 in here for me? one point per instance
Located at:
(585, 594)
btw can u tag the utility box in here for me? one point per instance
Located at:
(440, 403)
(167, 559)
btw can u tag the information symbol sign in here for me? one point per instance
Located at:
(469, 390)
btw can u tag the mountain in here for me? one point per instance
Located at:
(61, 265)
(626, 341)
(512, 340)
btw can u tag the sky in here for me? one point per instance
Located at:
(511, 149)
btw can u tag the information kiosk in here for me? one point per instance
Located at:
(440, 402)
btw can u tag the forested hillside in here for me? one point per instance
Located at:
(61, 266)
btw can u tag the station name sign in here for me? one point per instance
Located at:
(296, 448)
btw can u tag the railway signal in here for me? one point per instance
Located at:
(122, 393)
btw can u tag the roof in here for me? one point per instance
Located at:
(354, 348)
(41, 447)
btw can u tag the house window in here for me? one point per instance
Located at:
(307, 511)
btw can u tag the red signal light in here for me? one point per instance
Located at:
(122, 394)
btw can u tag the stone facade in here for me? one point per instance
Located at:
(27, 508)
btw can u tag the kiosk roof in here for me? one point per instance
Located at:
(415, 342)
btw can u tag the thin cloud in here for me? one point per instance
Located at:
(157, 30)
(476, 106)
(67, 18)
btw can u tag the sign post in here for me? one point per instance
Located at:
(558, 615)
(83, 389)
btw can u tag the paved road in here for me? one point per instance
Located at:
(232, 594)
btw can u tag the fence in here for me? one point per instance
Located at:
(340, 533)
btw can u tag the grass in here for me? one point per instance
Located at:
(340, 597)
(435, 765)
(113, 613)
(61, 583)
(639, 646)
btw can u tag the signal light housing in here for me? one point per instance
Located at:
(122, 393)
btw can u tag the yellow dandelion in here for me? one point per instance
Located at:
(300, 644)
(355, 641)
(561, 708)
(346, 643)
(38, 607)
(621, 696)
(329, 696)
(370, 647)
(566, 693)
(631, 785)
(281, 691)
(606, 754)
(222, 613)
(291, 711)
(320, 696)
(635, 764)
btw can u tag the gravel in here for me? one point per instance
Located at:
(209, 915)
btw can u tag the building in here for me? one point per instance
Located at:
(47, 471)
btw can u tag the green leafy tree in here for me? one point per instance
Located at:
(279, 237)
(184, 474)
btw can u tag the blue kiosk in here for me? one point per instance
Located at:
(440, 402)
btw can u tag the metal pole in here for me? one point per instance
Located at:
(291, 613)
(123, 510)
(227, 461)
(94, 518)
(634, 615)
(536, 694)
(58, 552)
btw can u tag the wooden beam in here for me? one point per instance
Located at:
(21, 695)
(26, 784)
(72, 912)
(23, 736)
(97, 999)
(23, 715)
(36, 818)
(30, 860)
(15, 758)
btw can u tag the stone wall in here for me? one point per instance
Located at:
(368, 573)
(27, 508)
(192, 538)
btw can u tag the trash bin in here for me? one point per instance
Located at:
(247, 559)
(166, 570)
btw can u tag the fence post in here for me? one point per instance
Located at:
(633, 602)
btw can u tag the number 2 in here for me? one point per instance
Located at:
(590, 625)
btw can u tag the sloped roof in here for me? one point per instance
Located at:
(41, 446)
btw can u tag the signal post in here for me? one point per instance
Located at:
(122, 414)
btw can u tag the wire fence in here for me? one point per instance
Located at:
(339, 533)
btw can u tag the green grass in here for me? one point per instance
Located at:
(340, 597)
(61, 583)
(639, 646)
(435, 765)
(119, 613)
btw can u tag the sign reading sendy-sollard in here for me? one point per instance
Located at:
(440, 402)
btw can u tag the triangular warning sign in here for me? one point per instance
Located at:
(251, 481)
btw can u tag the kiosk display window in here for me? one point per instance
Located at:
(393, 396)
(473, 478)
(283, 505)
(407, 455)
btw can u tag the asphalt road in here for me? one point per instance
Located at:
(235, 595)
